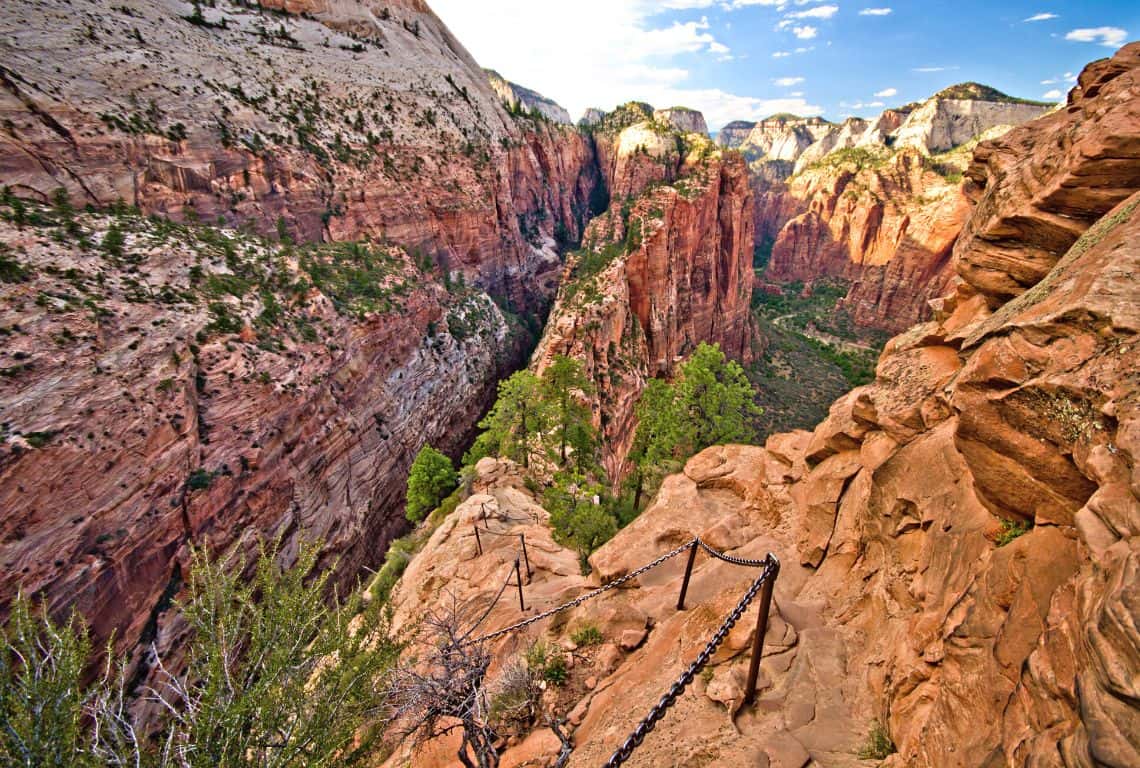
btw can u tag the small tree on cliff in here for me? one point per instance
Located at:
(715, 400)
(518, 418)
(430, 479)
(655, 443)
(563, 381)
(579, 513)
(710, 403)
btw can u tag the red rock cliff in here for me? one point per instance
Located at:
(888, 229)
(357, 121)
(679, 274)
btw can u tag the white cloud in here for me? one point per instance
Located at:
(1053, 94)
(1042, 17)
(818, 12)
(780, 55)
(1109, 37)
(886, 93)
(796, 94)
(788, 82)
(806, 32)
(621, 49)
(934, 69)
(802, 49)
(875, 12)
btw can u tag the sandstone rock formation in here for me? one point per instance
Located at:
(525, 100)
(885, 223)
(874, 203)
(683, 119)
(960, 539)
(653, 280)
(333, 121)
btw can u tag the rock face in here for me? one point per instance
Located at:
(347, 123)
(887, 227)
(959, 113)
(960, 540)
(526, 100)
(677, 274)
(863, 200)
(683, 119)
(334, 121)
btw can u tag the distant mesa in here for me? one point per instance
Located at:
(524, 99)
(681, 119)
(785, 143)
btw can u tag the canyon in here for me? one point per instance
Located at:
(958, 538)
(876, 204)
(253, 259)
(212, 384)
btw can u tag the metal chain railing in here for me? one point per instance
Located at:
(583, 598)
(649, 722)
(486, 613)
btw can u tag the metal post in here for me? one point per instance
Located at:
(518, 579)
(526, 558)
(761, 630)
(688, 573)
(483, 506)
(478, 542)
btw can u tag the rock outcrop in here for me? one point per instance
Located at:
(960, 539)
(875, 203)
(525, 100)
(176, 422)
(884, 223)
(653, 281)
(683, 119)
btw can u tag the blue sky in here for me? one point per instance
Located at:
(745, 59)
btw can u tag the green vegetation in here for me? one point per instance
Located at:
(357, 277)
(1012, 529)
(277, 673)
(431, 478)
(711, 402)
(855, 158)
(546, 662)
(814, 353)
(41, 698)
(971, 91)
(878, 745)
(586, 634)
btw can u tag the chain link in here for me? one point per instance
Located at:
(583, 598)
(730, 559)
(634, 740)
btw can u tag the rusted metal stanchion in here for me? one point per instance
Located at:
(518, 579)
(526, 558)
(483, 506)
(688, 573)
(761, 630)
(478, 542)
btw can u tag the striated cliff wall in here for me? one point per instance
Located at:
(644, 292)
(886, 224)
(174, 414)
(959, 539)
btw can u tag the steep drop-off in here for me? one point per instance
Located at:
(664, 269)
(177, 408)
(959, 538)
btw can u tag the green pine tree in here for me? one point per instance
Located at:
(430, 479)
(563, 381)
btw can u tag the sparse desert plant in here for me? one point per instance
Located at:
(586, 634)
(545, 661)
(878, 745)
(1011, 529)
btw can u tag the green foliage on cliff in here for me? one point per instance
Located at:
(431, 478)
(276, 674)
(710, 403)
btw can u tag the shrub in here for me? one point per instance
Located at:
(431, 478)
(41, 696)
(586, 634)
(1011, 529)
(878, 745)
(546, 662)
